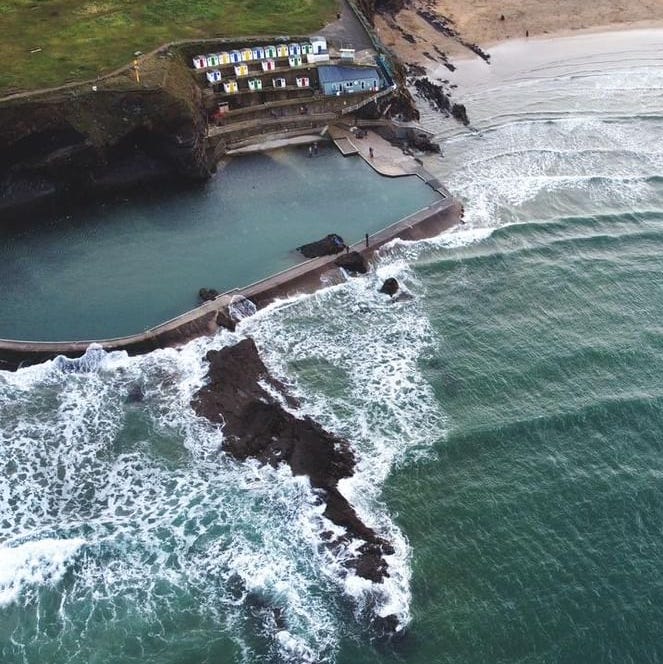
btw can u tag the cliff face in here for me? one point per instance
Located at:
(78, 142)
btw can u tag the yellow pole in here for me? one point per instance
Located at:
(137, 70)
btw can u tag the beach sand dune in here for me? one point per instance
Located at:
(481, 22)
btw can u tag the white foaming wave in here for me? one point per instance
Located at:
(163, 512)
(504, 175)
(29, 565)
(386, 409)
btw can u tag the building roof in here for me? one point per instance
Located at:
(338, 73)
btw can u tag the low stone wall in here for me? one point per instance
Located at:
(205, 320)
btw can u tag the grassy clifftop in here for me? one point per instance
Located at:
(45, 43)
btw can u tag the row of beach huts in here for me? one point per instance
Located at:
(214, 75)
(231, 86)
(314, 51)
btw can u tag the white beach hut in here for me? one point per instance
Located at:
(213, 76)
(303, 82)
(279, 82)
(319, 45)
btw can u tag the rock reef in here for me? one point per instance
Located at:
(256, 426)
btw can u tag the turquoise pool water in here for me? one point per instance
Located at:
(116, 269)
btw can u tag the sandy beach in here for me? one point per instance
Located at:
(480, 22)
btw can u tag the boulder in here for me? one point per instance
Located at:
(329, 245)
(206, 294)
(389, 287)
(353, 262)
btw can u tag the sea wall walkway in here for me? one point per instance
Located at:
(210, 316)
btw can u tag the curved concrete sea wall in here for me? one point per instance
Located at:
(207, 318)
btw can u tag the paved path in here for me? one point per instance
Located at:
(381, 155)
(385, 158)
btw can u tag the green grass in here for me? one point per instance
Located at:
(80, 40)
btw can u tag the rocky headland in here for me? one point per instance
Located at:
(64, 145)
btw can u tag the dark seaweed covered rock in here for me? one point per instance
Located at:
(256, 426)
(389, 287)
(329, 245)
(206, 294)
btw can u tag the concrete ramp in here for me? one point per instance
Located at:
(341, 139)
(346, 146)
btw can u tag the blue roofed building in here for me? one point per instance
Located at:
(339, 80)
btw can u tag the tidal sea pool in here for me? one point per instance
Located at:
(113, 269)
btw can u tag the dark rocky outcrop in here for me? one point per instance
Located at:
(445, 26)
(353, 262)
(327, 246)
(256, 426)
(389, 287)
(440, 98)
(206, 294)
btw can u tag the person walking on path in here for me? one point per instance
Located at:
(370, 152)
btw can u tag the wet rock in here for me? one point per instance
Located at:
(224, 319)
(353, 262)
(240, 395)
(206, 294)
(460, 113)
(327, 246)
(389, 287)
(389, 626)
(440, 98)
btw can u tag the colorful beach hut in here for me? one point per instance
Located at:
(247, 54)
(268, 65)
(212, 60)
(270, 51)
(235, 57)
(295, 60)
(282, 51)
(213, 76)
(307, 48)
(242, 70)
(224, 58)
(294, 49)
(258, 52)
(255, 85)
(303, 82)
(230, 86)
(199, 61)
(279, 82)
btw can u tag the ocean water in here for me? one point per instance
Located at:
(507, 421)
